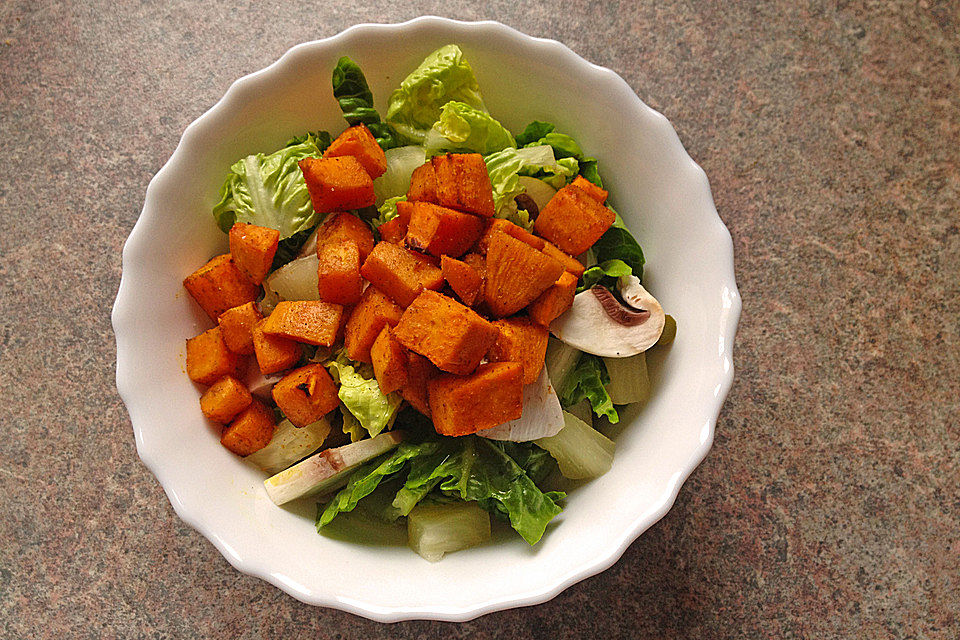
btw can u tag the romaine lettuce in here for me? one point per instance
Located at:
(352, 93)
(505, 168)
(465, 129)
(617, 243)
(361, 395)
(605, 273)
(587, 380)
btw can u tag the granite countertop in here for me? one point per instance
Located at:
(829, 505)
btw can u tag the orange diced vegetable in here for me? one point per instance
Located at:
(452, 336)
(520, 340)
(499, 225)
(274, 353)
(592, 190)
(339, 227)
(389, 361)
(225, 399)
(338, 272)
(310, 321)
(374, 311)
(209, 358)
(477, 262)
(439, 230)
(306, 394)
(251, 430)
(219, 285)
(463, 279)
(357, 141)
(395, 230)
(337, 184)
(236, 326)
(553, 302)
(423, 184)
(573, 220)
(516, 274)
(569, 263)
(253, 248)
(399, 274)
(420, 372)
(463, 183)
(492, 395)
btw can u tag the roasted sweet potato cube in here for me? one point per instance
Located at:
(374, 311)
(251, 430)
(339, 227)
(395, 230)
(274, 353)
(236, 326)
(209, 358)
(337, 184)
(338, 272)
(310, 321)
(219, 285)
(592, 190)
(499, 225)
(553, 302)
(399, 274)
(492, 395)
(569, 263)
(357, 141)
(423, 184)
(463, 183)
(225, 399)
(520, 340)
(516, 274)
(306, 394)
(253, 248)
(573, 220)
(463, 279)
(389, 361)
(477, 262)
(441, 231)
(452, 336)
(420, 372)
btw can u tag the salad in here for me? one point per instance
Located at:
(419, 322)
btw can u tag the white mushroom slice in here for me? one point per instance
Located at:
(542, 416)
(599, 324)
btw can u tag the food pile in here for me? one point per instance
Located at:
(383, 318)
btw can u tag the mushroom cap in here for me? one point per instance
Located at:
(599, 324)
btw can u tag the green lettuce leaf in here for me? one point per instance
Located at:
(388, 211)
(443, 76)
(605, 273)
(465, 129)
(505, 168)
(533, 132)
(564, 146)
(363, 399)
(617, 243)
(587, 380)
(352, 93)
(268, 189)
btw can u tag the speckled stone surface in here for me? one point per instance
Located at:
(829, 506)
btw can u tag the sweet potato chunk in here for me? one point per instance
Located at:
(395, 230)
(274, 353)
(357, 141)
(441, 231)
(477, 262)
(338, 272)
(553, 302)
(337, 184)
(219, 285)
(253, 248)
(209, 358)
(592, 190)
(306, 394)
(520, 340)
(420, 372)
(225, 399)
(499, 225)
(236, 326)
(463, 279)
(310, 321)
(452, 336)
(573, 220)
(399, 274)
(339, 227)
(250, 431)
(423, 184)
(516, 274)
(463, 183)
(389, 361)
(374, 311)
(492, 395)
(569, 263)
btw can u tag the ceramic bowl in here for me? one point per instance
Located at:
(661, 193)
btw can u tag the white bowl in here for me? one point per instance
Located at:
(660, 192)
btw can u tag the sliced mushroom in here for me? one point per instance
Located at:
(600, 324)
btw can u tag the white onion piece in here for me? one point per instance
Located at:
(296, 280)
(259, 384)
(542, 416)
(401, 161)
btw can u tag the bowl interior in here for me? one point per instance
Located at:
(659, 191)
